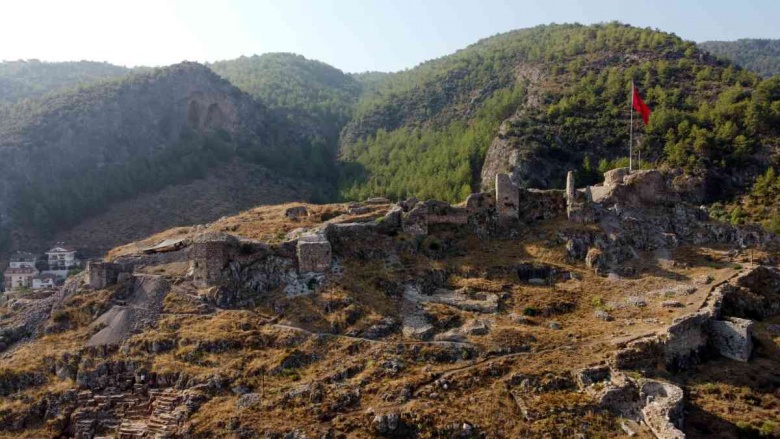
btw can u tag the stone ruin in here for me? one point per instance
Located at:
(99, 275)
(507, 198)
(314, 254)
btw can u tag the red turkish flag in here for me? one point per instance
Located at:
(640, 106)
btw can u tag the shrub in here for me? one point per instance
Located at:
(530, 311)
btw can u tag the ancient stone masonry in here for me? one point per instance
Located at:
(732, 338)
(103, 274)
(541, 205)
(442, 213)
(712, 328)
(314, 254)
(685, 340)
(209, 254)
(507, 198)
(579, 203)
(640, 212)
(570, 188)
(663, 410)
(415, 222)
(658, 404)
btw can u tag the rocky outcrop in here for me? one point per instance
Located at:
(140, 311)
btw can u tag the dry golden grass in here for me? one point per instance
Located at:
(244, 347)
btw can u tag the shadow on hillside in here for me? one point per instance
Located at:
(749, 391)
(700, 423)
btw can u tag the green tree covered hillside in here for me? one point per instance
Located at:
(759, 55)
(31, 78)
(311, 93)
(70, 155)
(563, 92)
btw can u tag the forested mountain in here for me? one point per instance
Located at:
(319, 99)
(71, 155)
(559, 94)
(759, 55)
(32, 78)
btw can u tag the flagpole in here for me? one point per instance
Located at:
(631, 129)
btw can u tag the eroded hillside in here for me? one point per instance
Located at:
(604, 311)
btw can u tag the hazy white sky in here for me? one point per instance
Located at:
(353, 35)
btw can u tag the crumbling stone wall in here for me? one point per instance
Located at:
(314, 254)
(536, 204)
(686, 339)
(507, 198)
(209, 254)
(102, 274)
(732, 338)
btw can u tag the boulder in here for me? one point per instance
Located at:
(296, 212)
(359, 210)
(615, 177)
(603, 315)
(596, 260)
(476, 327)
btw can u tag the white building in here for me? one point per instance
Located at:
(22, 259)
(61, 258)
(44, 280)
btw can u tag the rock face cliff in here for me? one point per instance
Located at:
(68, 156)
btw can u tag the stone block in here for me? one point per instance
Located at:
(732, 338)
(314, 254)
(685, 339)
(476, 327)
(507, 198)
(103, 274)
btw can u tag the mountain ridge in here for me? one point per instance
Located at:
(548, 99)
(760, 55)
